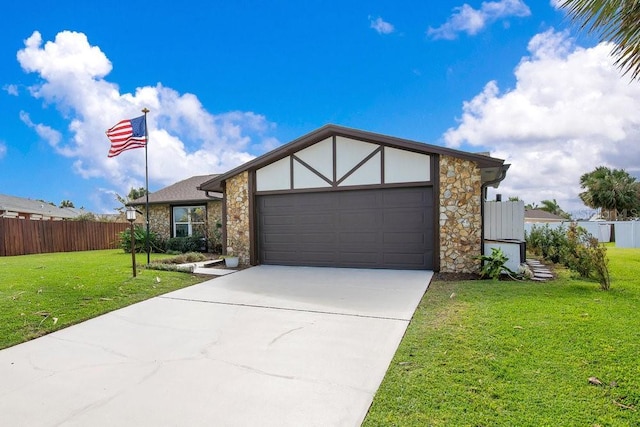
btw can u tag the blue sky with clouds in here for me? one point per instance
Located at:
(227, 81)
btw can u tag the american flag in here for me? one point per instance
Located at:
(126, 135)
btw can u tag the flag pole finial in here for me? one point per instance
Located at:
(145, 110)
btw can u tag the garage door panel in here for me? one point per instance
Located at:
(359, 220)
(277, 219)
(276, 238)
(354, 199)
(404, 239)
(315, 219)
(359, 258)
(411, 197)
(378, 228)
(358, 239)
(403, 219)
(404, 259)
(318, 239)
(316, 258)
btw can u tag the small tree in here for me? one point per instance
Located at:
(134, 193)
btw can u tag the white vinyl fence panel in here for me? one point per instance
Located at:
(627, 234)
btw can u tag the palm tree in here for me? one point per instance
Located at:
(611, 189)
(616, 21)
(553, 207)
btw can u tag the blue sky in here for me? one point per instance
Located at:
(227, 81)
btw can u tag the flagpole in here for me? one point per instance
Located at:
(146, 172)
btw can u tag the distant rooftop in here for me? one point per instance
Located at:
(539, 214)
(12, 206)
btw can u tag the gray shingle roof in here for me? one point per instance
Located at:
(540, 214)
(181, 192)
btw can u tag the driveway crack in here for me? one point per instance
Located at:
(300, 310)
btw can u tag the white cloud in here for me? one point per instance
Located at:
(3, 149)
(569, 112)
(185, 139)
(52, 136)
(11, 89)
(471, 21)
(381, 26)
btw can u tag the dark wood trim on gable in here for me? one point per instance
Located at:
(348, 188)
(335, 158)
(356, 167)
(291, 182)
(311, 168)
(382, 166)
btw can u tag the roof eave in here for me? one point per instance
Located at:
(175, 202)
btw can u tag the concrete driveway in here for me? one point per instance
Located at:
(266, 346)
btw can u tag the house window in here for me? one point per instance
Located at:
(189, 220)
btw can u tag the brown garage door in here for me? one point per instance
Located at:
(382, 228)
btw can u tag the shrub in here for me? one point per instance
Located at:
(574, 255)
(547, 242)
(585, 255)
(156, 244)
(169, 267)
(195, 243)
(575, 248)
(173, 264)
(494, 265)
(185, 258)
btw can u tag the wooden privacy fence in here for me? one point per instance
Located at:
(23, 236)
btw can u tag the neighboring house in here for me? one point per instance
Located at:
(538, 216)
(181, 210)
(18, 207)
(349, 198)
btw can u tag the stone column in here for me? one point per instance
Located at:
(238, 236)
(460, 215)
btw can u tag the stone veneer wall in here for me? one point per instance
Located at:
(214, 217)
(160, 220)
(237, 196)
(460, 215)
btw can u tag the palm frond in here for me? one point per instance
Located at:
(616, 21)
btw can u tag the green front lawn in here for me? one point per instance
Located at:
(42, 293)
(482, 353)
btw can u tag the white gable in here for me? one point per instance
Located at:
(344, 162)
